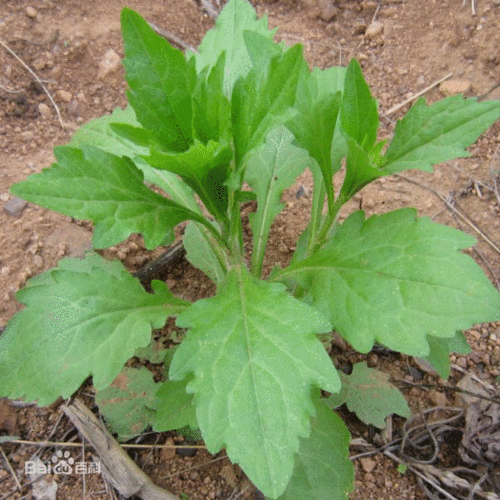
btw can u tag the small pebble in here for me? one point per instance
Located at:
(44, 110)
(367, 464)
(64, 95)
(374, 30)
(15, 206)
(31, 12)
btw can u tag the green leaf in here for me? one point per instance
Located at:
(135, 135)
(314, 125)
(127, 402)
(88, 183)
(440, 350)
(85, 317)
(330, 81)
(402, 468)
(395, 278)
(261, 49)
(174, 407)
(369, 394)
(155, 353)
(429, 135)
(211, 108)
(322, 468)
(253, 353)
(236, 17)
(358, 115)
(201, 254)
(264, 99)
(100, 133)
(273, 168)
(204, 168)
(360, 170)
(160, 82)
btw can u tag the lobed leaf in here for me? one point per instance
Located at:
(323, 470)
(103, 134)
(127, 403)
(429, 135)
(85, 317)
(88, 183)
(395, 278)
(174, 407)
(253, 354)
(440, 350)
(368, 393)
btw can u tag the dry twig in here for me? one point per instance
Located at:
(10, 51)
(473, 6)
(209, 8)
(418, 94)
(454, 209)
(18, 484)
(172, 38)
(117, 466)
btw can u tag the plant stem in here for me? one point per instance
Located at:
(216, 248)
(327, 224)
(213, 231)
(316, 209)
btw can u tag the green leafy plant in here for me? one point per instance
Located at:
(240, 120)
(402, 468)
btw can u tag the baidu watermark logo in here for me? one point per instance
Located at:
(61, 463)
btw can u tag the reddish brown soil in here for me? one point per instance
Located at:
(64, 41)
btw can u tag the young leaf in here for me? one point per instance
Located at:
(88, 183)
(201, 254)
(236, 17)
(254, 356)
(155, 353)
(174, 407)
(211, 108)
(330, 81)
(127, 402)
(360, 170)
(263, 100)
(395, 278)
(429, 135)
(261, 49)
(371, 396)
(322, 468)
(440, 350)
(85, 317)
(358, 115)
(204, 168)
(100, 133)
(272, 168)
(314, 124)
(160, 81)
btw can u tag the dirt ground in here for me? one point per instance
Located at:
(72, 46)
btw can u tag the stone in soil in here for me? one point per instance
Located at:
(15, 206)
